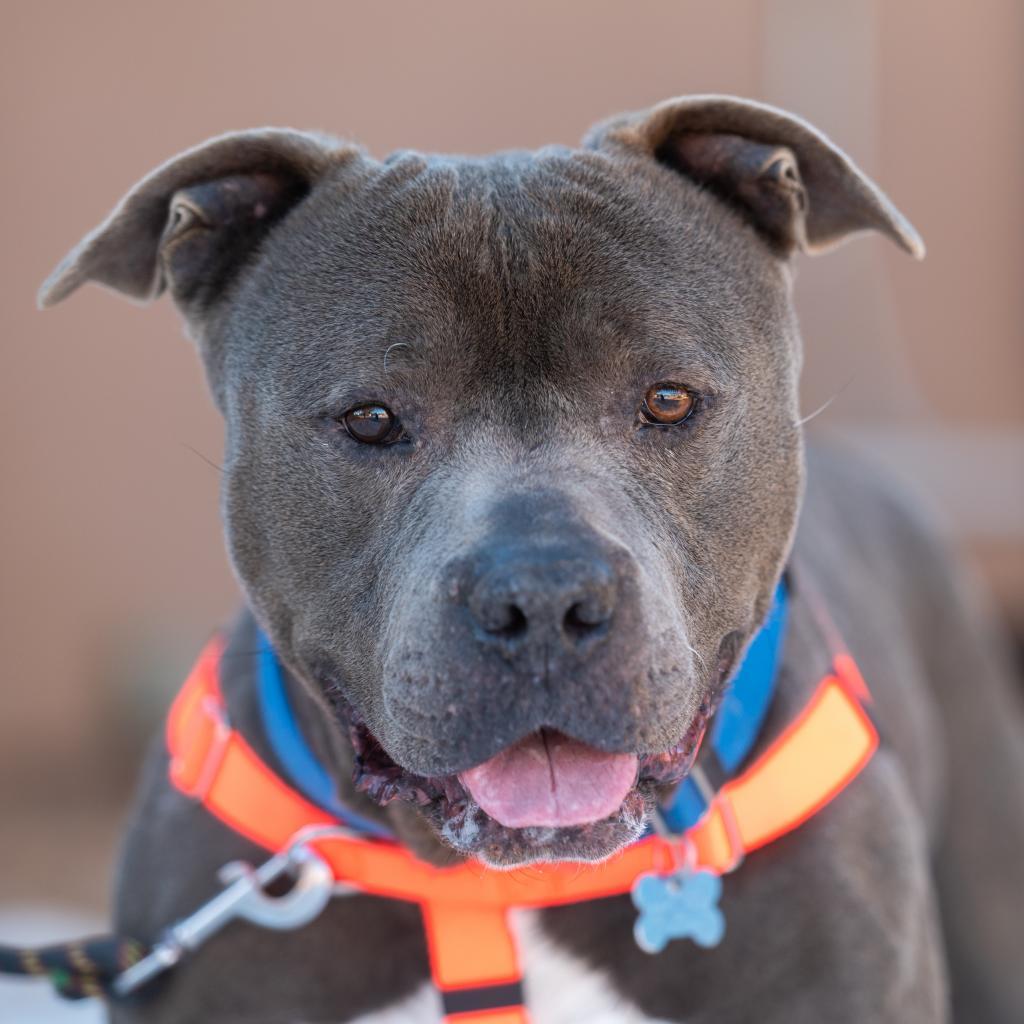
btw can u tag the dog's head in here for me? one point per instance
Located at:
(513, 460)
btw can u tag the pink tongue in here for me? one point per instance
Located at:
(551, 780)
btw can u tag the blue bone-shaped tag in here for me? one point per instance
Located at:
(682, 905)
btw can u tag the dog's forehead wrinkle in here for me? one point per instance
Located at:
(516, 266)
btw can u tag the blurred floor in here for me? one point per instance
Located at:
(58, 862)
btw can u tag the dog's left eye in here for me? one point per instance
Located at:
(372, 424)
(668, 404)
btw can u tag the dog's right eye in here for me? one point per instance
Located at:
(372, 424)
(668, 405)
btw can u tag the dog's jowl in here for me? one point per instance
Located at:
(568, 686)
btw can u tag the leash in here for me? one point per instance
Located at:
(77, 970)
(112, 967)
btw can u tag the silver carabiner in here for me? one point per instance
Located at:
(302, 903)
(245, 896)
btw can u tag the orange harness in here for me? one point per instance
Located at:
(465, 908)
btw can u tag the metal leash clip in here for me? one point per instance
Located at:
(245, 897)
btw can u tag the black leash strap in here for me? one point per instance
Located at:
(113, 967)
(77, 970)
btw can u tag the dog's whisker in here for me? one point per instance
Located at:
(390, 349)
(693, 650)
(208, 461)
(824, 405)
(817, 412)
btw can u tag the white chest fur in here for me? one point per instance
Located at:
(559, 988)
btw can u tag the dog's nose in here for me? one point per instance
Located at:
(545, 600)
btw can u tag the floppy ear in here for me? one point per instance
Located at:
(794, 185)
(191, 223)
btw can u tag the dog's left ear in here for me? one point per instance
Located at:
(792, 183)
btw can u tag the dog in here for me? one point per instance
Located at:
(514, 466)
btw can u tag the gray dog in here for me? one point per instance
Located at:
(513, 468)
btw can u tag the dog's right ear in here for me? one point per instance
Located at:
(192, 223)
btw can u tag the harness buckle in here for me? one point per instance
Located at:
(214, 710)
(730, 825)
(210, 709)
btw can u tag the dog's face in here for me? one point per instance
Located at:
(513, 459)
(502, 470)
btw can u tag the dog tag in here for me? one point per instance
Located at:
(680, 905)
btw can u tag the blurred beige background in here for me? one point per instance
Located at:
(110, 552)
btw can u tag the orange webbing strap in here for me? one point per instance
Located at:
(465, 908)
(474, 963)
(213, 763)
(813, 760)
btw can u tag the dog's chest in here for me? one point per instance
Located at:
(560, 989)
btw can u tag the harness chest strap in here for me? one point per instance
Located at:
(465, 908)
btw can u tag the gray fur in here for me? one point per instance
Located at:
(512, 311)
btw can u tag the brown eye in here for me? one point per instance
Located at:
(668, 404)
(372, 424)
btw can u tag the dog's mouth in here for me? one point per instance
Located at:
(546, 797)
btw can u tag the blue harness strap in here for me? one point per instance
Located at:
(741, 714)
(733, 734)
(300, 764)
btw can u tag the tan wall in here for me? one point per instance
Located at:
(110, 553)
